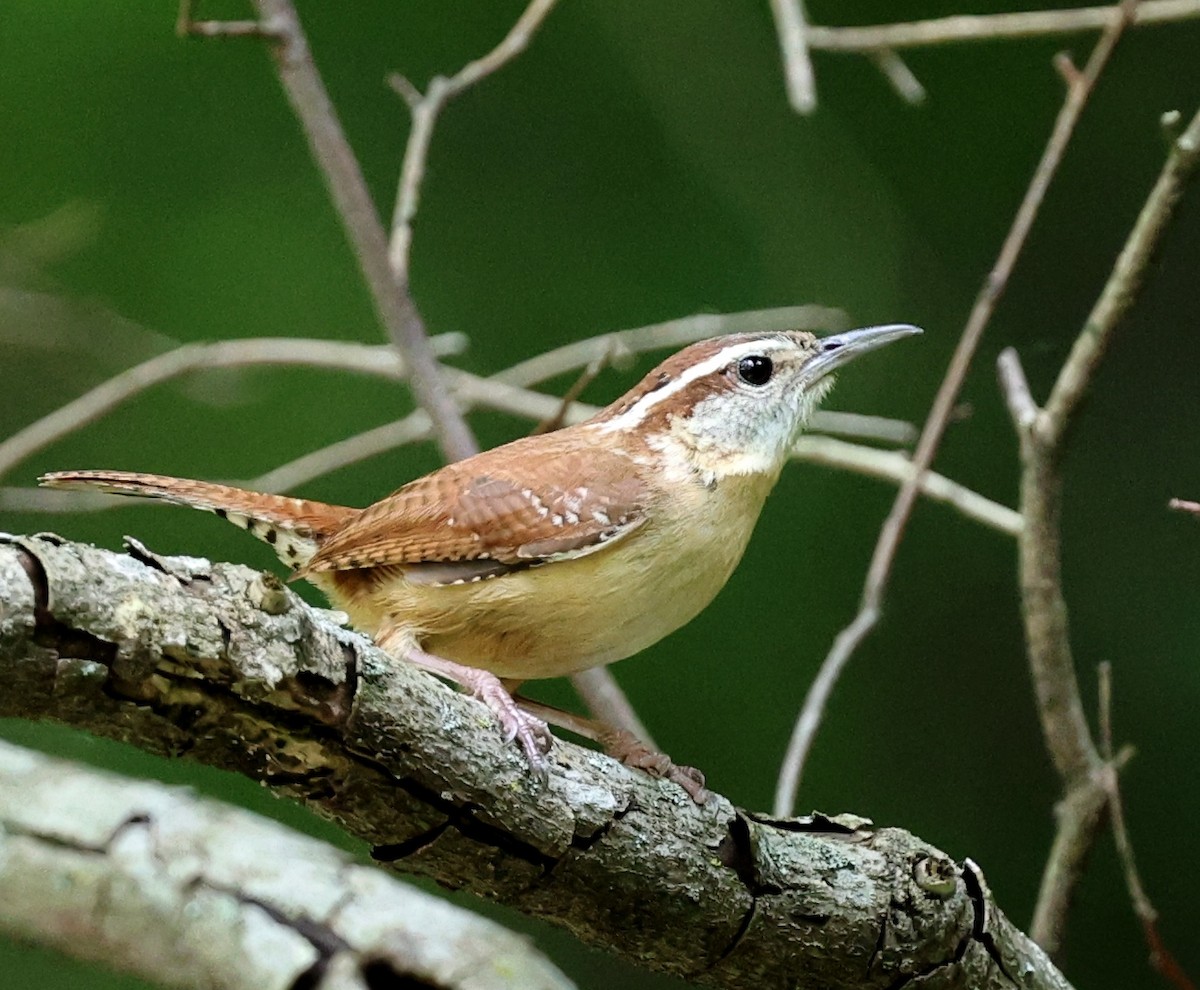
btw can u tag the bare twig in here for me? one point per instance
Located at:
(1183, 505)
(992, 27)
(896, 71)
(571, 396)
(859, 426)
(892, 531)
(1121, 289)
(1161, 958)
(502, 391)
(609, 705)
(379, 360)
(1044, 608)
(425, 109)
(279, 22)
(791, 24)
(186, 25)
(1015, 388)
(674, 333)
(894, 466)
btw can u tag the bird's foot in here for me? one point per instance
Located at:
(530, 731)
(631, 751)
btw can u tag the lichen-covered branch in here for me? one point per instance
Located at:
(225, 665)
(188, 892)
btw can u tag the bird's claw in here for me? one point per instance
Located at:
(516, 725)
(634, 753)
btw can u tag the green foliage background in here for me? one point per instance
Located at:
(639, 163)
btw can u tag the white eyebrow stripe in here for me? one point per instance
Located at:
(632, 416)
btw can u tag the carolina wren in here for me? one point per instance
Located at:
(562, 551)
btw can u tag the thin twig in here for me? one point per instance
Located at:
(503, 391)
(348, 190)
(1044, 608)
(1014, 386)
(570, 397)
(425, 109)
(892, 531)
(1120, 289)
(571, 357)
(415, 427)
(1184, 505)
(992, 27)
(1161, 958)
(186, 25)
(597, 686)
(673, 333)
(902, 79)
(894, 466)
(791, 24)
(379, 360)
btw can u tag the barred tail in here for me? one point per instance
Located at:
(294, 527)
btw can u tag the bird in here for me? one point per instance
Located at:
(560, 551)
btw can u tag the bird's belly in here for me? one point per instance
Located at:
(569, 615)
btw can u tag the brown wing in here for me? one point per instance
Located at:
(528, 502)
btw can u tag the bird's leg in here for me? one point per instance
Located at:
(621, 745)
(530, 731)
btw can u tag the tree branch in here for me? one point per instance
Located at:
(185, 891)
(892, 531)
(215, 661)
(364, 359)
(993, 27)
(279, 23)
(426, 107)
(1043, 434)
(894, 466)
(791, 23)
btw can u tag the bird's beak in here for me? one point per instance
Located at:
(834, 351)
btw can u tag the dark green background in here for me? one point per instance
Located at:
(640, 162)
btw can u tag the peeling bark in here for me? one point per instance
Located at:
(221, 664)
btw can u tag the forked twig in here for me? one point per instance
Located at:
(1042, 434)
(279, 23)
(426, 107)
(798, 38)
(389, 287)
(892, 531)
(992, 27)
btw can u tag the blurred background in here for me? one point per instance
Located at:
(640, 162)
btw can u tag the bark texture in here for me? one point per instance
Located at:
(227, 666)
(188, 892)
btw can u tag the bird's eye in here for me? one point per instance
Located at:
(755, 369)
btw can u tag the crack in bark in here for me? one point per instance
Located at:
(736, 939)
(379, 974)
(391, 852)
(39, 581)
(979, 931)
(584, 843)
